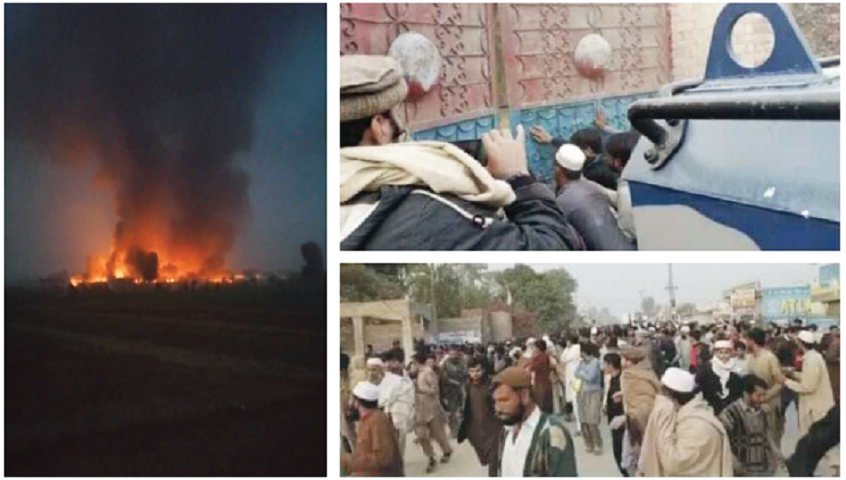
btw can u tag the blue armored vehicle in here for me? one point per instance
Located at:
(746, 158)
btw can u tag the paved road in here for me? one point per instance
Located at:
(464, 462)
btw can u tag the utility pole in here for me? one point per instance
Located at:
(434, 329)
(671, 289)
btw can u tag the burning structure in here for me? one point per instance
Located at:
(160, 98)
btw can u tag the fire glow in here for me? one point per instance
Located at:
(138, 267)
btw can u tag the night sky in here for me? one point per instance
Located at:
(206, 121)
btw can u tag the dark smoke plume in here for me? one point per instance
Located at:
(162, 97)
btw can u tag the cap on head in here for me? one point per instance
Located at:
(807, 337)
(720, 344)
(678, 380)
(374, 362)
(514, 377)
(366, 391)
(634, 354)
(570, 157)
(370, 85)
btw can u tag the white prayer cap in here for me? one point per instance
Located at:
(366, 391)
(651, 329)
(374, 362)
(491, 348)
(570, 157)
(807, 337)
(723, 344)
(514, 351)
(530, 341)
(678, 380)
(546, 338)
(594, 331)
(685, 329)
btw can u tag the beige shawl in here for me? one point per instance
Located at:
(690, 442)
(443, 167)
(814, 388)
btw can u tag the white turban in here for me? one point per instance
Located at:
(366, 391)
(679, 380)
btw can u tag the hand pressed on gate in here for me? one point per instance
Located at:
(506, 154)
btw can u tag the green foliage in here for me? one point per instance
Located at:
(456, 286)
(363, 283)
(548, 295)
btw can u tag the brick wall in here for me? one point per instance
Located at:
(692, 25)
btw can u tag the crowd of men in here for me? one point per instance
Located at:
(679, 400)
(437, 196)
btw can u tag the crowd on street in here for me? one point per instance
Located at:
(678, 400)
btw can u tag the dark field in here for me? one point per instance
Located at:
(222, 382)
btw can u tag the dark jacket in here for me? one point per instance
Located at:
(589, 211)
(599, 171)
(595, 168)
(404, 220)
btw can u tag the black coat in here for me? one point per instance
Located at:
(404, 220)
(599, 171)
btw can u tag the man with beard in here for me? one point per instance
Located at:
(429, 417)
(540, 366)
(764, 365)
(396, 398)
(432, 195)
(376, 452)
(453, 381)
(480, 424)
(533, 444)
(747, 423)
(684, 438)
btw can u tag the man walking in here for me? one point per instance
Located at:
(396, 398)
(533, 444)
(429, 416)
(812, 386)
(453, 381)
(764, 365)
(480, 424)
(684, 438)
(377, 452)
(747, 423)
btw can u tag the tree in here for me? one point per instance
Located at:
(549, 295)
(647, 306)
(363, 283)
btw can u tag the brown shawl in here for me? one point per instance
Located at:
(639, 386)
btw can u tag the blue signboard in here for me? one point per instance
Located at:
(785, 302)
(828, 273)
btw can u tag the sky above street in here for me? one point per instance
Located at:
(619, 287)
(197, 100)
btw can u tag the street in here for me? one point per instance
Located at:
(464, 462)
